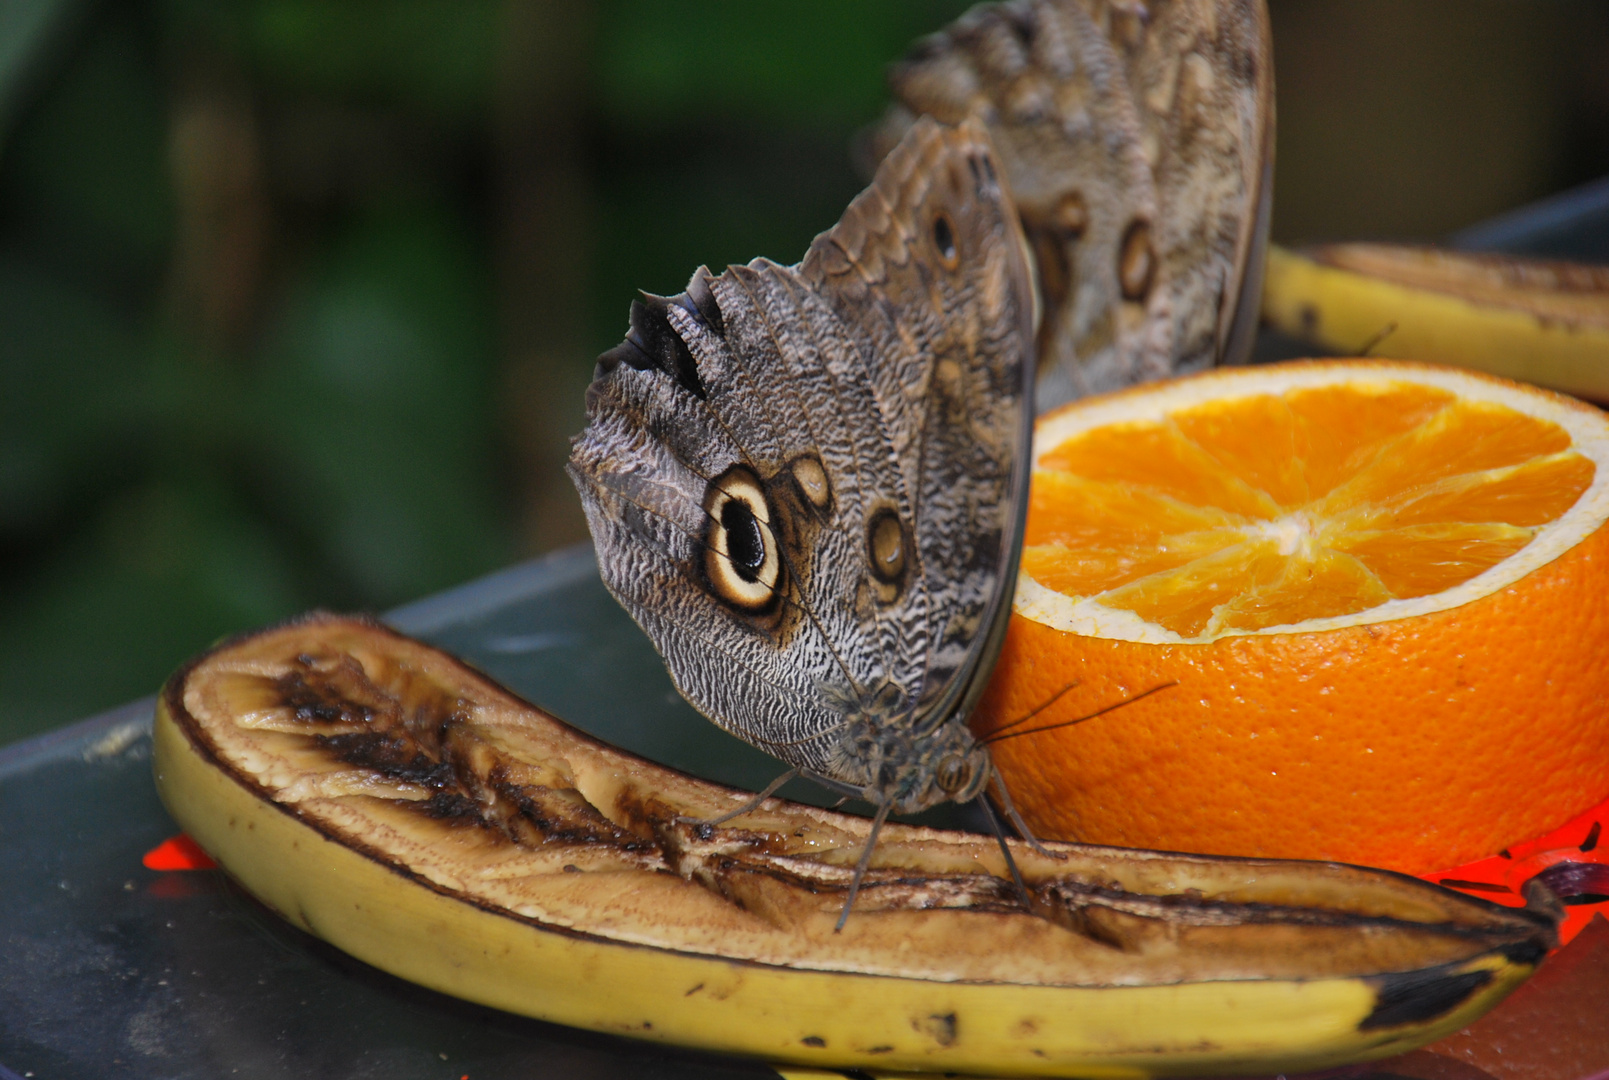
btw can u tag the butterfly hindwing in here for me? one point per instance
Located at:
(652, 455)
(928, 264)
(804, 482)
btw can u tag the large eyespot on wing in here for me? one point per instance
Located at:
(742, 562)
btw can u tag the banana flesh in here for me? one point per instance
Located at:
(388, 799)
(1540, 322)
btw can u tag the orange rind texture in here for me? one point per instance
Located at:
(1413, 743)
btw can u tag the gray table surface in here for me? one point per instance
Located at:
(108, 969)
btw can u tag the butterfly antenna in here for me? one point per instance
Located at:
(997, 737)
(865, 861)
(752, 804)
(1057, 696)
(1015, 818)
(1005, 849)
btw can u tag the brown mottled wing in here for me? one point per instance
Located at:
(903, 380)
(1203, 71)
(1137, 138)
(931, 275)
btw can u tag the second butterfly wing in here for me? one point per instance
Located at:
(1138, 140)
(806, 483)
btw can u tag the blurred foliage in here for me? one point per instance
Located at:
(253, 352)
(298, 297)
(1408, 119)
(817, 65)
(436, 56)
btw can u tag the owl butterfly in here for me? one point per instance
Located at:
(1137, 138)
(806, 483)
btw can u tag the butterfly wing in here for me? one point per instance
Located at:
(930, 268)
(1137, 138)
(804, 483)
(691, 396)
(1203, 73)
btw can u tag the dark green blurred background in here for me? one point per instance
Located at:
(298, 297)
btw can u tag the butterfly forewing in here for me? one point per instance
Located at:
(1137, 138)
(1202, 73)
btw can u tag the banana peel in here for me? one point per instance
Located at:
(390, 800)
(1536, 321)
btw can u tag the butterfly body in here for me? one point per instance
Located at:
(806, 483)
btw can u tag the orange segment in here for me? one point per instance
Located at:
(1096, 568)
(1113, 513)
(1259, 439)
(1378, 593)
(1348, 426)
(1463, 439)
(1184, 600)
(1534, 492)
(1159, 459)
(1329, 583)
(1422, 559)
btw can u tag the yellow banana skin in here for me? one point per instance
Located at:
(391, 876)
(1540, 322)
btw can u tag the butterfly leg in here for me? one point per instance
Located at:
(1016, 819)
(1005, 849)
(865, 861)
(752, 804)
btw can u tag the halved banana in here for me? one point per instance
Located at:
(390, 800)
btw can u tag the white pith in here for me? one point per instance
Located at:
(1589, 433)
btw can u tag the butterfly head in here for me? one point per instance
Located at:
(950, 767)
(899, 762)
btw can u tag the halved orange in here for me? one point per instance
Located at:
(1375, 597)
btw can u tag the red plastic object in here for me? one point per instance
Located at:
(1573, 860)
(178, 853)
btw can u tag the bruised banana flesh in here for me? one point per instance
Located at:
(388, 799)
(1528, 319)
